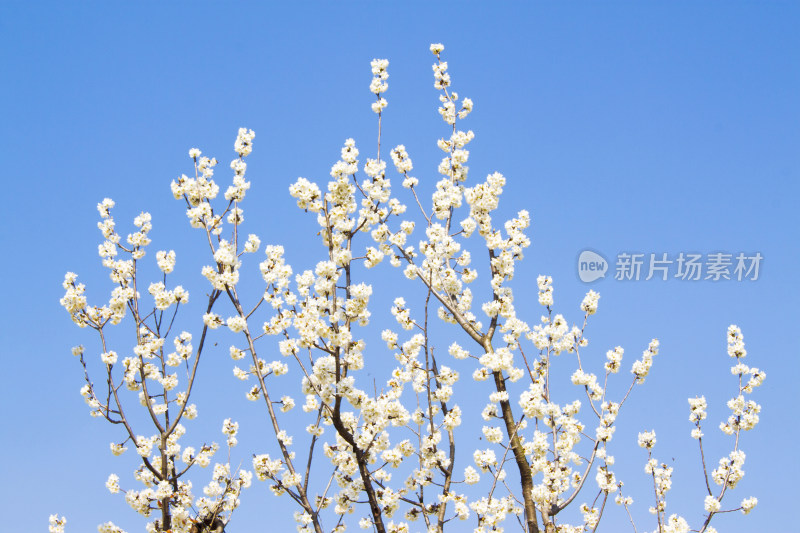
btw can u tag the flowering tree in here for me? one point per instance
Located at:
(149, 372)
(391, 452)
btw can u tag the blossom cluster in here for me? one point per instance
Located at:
(151, 373)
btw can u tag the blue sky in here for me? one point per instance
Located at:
(627, 127)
